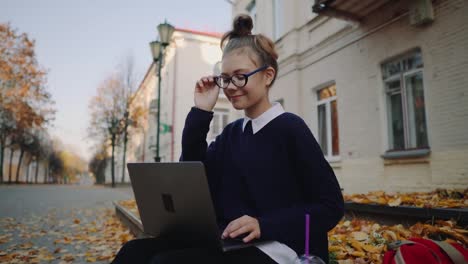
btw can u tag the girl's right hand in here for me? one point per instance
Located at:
(206, 93)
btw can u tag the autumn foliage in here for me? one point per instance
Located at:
(26, 106)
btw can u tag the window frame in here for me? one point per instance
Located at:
(278, 17)
(402, 76)
(327, 102)
(251, 8)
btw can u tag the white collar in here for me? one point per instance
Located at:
(258, 123)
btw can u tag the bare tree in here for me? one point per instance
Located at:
(107, 109)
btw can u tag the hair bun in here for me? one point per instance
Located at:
(242, 26)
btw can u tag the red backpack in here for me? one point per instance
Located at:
(425, 251)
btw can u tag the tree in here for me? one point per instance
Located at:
(112, 112)
(24, 142)
(24, 100)
(107, 109)
(56, 166)
(7, 125)
(133, 113)
(98, 163)
(73, 165)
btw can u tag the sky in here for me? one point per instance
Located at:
(81, 42)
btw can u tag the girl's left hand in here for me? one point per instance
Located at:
(241, 225)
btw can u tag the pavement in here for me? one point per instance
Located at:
(60, 223)
(24, 200)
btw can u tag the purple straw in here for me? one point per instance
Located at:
(307, 235)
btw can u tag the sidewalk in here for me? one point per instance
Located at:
(60, 224)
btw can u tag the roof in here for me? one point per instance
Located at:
(203, 33)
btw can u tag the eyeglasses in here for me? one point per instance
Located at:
(239, 80)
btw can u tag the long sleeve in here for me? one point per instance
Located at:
(194, 148)
(322, 198)
(194, 145)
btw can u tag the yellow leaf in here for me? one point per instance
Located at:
(360, 236)
(334, 248)
(356, 245)
(372, 249)
(358, 254)
(394, 202)
(68, 257)
(91, 259)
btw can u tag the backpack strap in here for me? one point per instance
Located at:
(399, 257)
(452, 252)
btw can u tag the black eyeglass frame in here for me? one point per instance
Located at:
(245, 75)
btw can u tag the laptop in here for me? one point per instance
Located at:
(174, 201)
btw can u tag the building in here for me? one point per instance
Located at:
(383, 85)
(190, 55)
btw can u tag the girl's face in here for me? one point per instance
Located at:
(256, 90)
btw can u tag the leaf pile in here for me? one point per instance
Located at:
(440, 198)
(363, 241)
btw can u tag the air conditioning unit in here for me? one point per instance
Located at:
(421, 12)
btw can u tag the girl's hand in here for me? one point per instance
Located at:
(206, 93)
(241, 225)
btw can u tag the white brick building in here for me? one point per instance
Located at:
(386, 99)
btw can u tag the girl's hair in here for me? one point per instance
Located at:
(240, 37)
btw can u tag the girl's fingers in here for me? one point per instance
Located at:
(200, 84)
(250, 237)
(205, 82)
(239, 227)
(240, 231)
(227, 230)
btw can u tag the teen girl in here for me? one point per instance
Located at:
(265, 171)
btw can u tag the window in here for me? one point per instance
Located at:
(404, 90)
(220, 120)
(252, 10)
(328, 136)
(278, 18)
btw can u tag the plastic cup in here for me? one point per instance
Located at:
(310, 259)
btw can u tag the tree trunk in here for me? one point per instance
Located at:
(20, 160)
(124, 162)
(2, 153)
(112, 165)
(46, 173)
(28, 167)
(12, 151)
(37, 170)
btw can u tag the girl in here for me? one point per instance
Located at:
(265, 171)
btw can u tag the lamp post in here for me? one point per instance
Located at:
(157, 49)
(127, 122)
(113, 130)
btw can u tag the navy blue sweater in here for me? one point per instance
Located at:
(276, 175)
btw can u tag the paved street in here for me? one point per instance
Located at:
(60, 224)
(23, 200)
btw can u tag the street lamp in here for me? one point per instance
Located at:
(157, 49)
(126, 122)
(113, 130)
